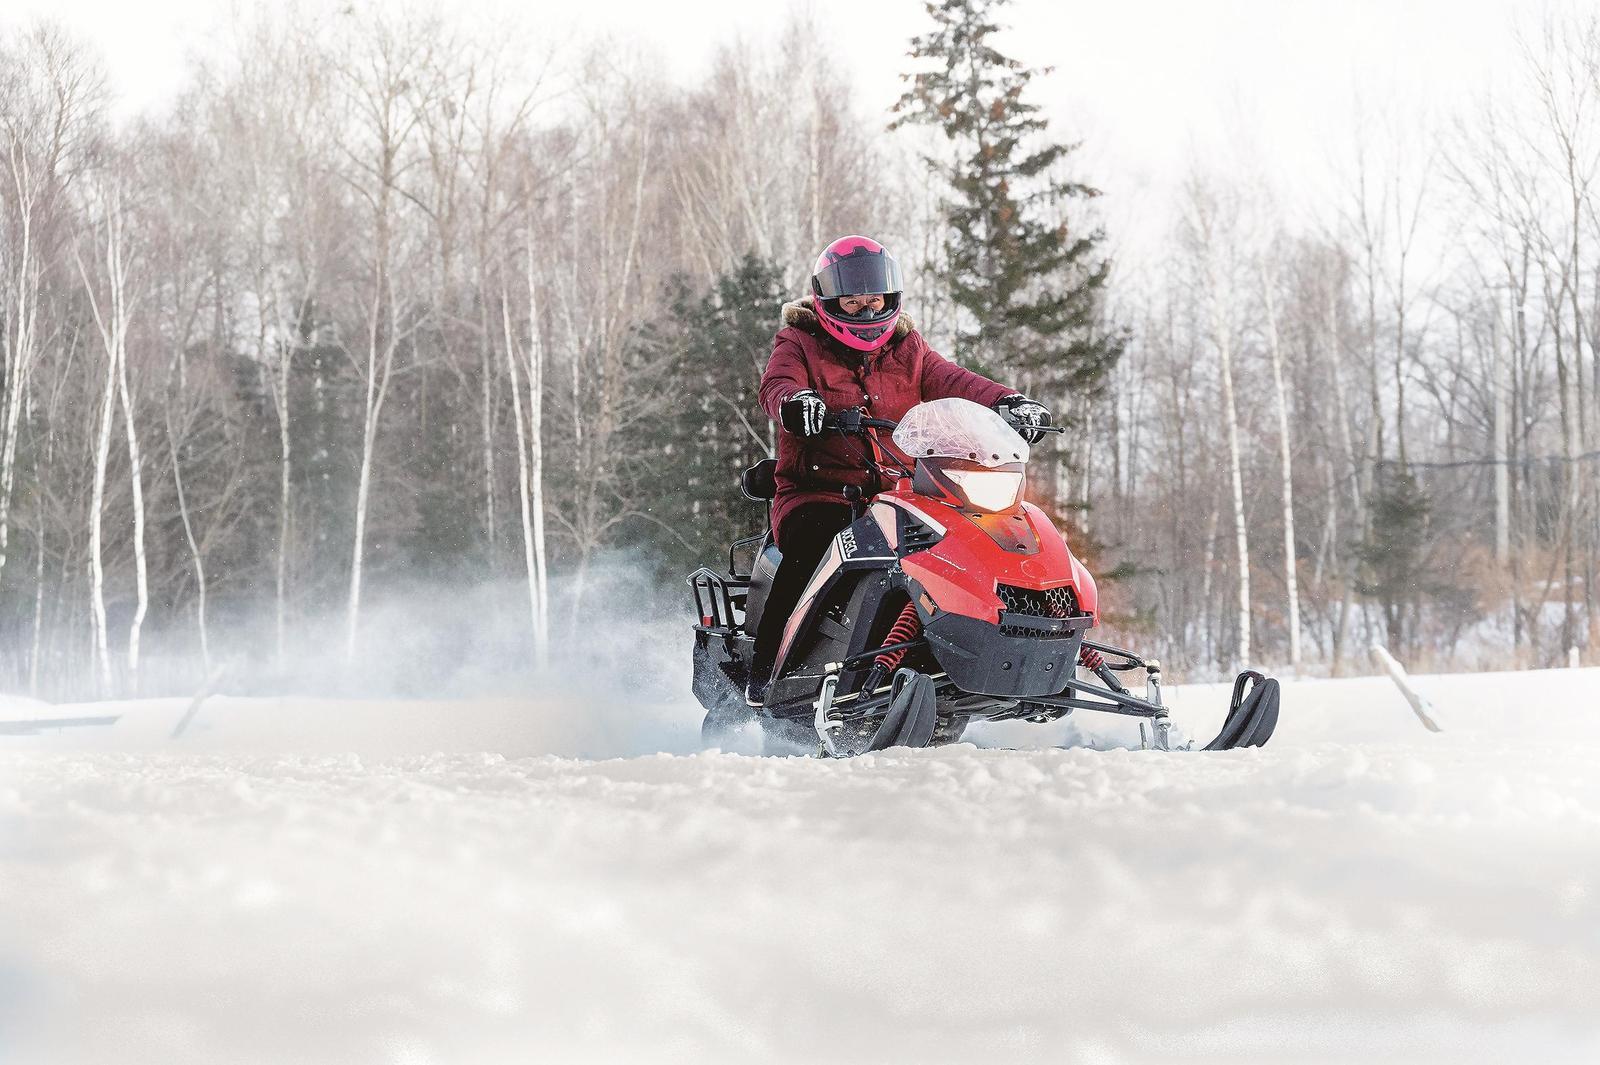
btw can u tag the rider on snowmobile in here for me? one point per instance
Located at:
(847, 345)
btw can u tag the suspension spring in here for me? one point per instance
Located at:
(1091, 659)
(906, 627)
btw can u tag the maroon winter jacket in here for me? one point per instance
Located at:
(887, 382)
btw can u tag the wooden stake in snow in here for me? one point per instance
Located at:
(1397, 673)
(207, 689)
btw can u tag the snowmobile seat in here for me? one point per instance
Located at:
(759, 482)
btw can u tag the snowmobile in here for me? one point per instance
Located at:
(948, 599)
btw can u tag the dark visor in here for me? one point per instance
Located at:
(859, 275)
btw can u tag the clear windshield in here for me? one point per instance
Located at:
(959, 429)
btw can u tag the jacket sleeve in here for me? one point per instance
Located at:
(785, 375)
(943, 379)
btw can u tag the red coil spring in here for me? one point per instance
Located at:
(1091, 659)
(906, 627)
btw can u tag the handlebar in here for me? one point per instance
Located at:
(855, 420)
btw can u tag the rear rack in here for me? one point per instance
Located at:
(715, 596)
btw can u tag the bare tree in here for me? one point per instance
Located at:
(530, 452)
(112, 315)
(1564, 63)
(387, 81)
(50, 98)
(1286, 464)
(1211, 234)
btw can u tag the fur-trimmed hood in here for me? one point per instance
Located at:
(802, 314)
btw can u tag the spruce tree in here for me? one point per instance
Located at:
(1028, 279)
(1395, 566)
(712, 426)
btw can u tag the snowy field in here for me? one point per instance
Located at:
(486, 882)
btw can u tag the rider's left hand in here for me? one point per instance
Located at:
(1027, 416)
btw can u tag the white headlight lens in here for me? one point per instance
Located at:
(988, 489)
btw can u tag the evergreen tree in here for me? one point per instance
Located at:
(325, 439)
(721, 339)
(1395, 564)
(1029, 281)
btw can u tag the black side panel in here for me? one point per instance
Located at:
(719, 669)
(761, 574)
(851, 616)
(846, 618)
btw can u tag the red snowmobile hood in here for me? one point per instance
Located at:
(963, 569)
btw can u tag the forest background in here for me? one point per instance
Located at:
(391, 340)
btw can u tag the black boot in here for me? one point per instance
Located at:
(755, 692)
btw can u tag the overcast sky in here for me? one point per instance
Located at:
(1149, 84)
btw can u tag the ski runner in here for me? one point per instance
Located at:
(847, 345)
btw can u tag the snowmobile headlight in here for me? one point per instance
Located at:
(991, 490)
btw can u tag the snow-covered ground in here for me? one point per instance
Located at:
(511, 881)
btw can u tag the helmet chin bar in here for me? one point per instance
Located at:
(852, 336)
(861, 332)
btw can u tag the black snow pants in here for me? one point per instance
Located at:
(803, 538)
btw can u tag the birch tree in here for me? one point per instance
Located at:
(1286, 464)
(112, 309)
(50, 99)
(529, 359)
(386, 81)
(1211, 234)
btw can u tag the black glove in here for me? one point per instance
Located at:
(802, 413)
(1028, 417)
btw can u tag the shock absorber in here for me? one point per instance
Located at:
(1095, 663)
(906, 627)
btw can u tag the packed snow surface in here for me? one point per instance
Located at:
(516, 881)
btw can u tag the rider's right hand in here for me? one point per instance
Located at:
(802, 413)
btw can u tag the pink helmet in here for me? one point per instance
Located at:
(857, 266)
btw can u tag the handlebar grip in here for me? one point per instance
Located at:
(854, 420)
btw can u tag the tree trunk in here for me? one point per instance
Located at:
(195, 553)
(280, 588)
(490, 519)
(112, 322)
(530, 465)
(102, 455)
(38, 612)
(1223, 338)
(136, 480)
(1498, 429)
(1285, 447)
(18, 363)
(382, 340)
(1241, 533)
(1208, 561)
